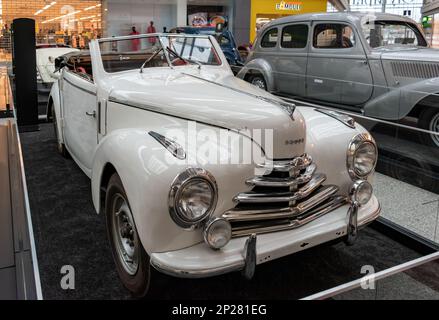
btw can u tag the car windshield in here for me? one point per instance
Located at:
(393, 33)
(144, 52)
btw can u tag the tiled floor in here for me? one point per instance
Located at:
(411, 207)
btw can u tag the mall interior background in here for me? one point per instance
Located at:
(75, 22)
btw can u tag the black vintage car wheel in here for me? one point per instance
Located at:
(132, 261)
(429, 120)
(258, 81)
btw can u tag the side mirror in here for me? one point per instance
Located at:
(60, 63)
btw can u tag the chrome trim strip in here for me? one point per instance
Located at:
(259, 228)
(173, 147)
(235, 215)
(306, 190)
(283, 182)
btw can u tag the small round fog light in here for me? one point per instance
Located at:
(217, 233)
(361, 192)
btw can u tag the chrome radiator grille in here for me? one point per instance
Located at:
(287, 195)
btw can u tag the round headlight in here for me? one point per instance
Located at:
(192, 197)
(361, 192)
(217, 233)
(362, 156)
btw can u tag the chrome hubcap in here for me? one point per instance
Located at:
(434, 126)
(258, 82)
(125, 235)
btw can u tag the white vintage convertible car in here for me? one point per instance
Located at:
(200, 173)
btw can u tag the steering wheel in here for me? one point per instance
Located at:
(80, 71)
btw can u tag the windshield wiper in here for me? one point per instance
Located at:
(184, 59)
(149, 59)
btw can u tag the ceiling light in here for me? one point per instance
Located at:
(47, 6)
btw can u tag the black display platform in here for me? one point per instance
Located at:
(68, 231)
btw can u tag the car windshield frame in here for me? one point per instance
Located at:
(163, 41)
(420, 39)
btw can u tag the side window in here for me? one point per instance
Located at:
(295, 36)
(333, 36)
(269, 40)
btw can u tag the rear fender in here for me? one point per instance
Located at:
(398, 102)
(260, 66)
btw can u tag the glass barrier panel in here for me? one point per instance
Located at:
(405, 282)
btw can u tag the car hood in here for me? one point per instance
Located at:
(410, 54)
(218, 100)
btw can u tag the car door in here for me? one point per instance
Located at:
(80, 114)
(292, 59)
(338, 70)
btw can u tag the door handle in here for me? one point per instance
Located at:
(91, 114)
(365, 62)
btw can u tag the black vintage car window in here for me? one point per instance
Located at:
(295, 36)
(388, 33)
(269, 40)
(333, 36)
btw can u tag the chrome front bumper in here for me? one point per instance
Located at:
(200, 261)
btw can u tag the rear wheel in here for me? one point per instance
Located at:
(132, 262)
(429, 120)
(258, 81)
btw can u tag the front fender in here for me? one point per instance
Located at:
(398, 102)
(327, 142)
(147, 171)
(261, 66)
(146, 176)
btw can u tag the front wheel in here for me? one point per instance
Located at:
(59, 145)
(258, 81)
(429, 120)
(132, 262)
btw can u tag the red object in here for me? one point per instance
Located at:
(135, 43)
(151, 29)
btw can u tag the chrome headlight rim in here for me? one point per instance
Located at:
(207, 230)
(356, 187)
(354, 145)
(182, 180)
